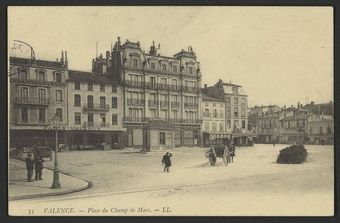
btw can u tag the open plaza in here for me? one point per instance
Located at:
(126, 178)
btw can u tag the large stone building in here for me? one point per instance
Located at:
(38, 93)
(236, 107)
(156, 87)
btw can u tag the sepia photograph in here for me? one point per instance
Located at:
(170, 111)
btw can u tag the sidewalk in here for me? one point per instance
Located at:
(19, 188)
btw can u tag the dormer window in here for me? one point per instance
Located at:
(190, 70)
(41, 76)
(57, 77)
(23, 73)
(164, 67)
(135, 62)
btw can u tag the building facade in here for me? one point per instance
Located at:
(156, 87)
(38, 93)
(213, 120)
(320, 129)
(268, 128)
(95, 110)
(236, 107)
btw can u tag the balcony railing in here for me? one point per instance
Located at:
(135, 102)
(190, 89)
(134, 83)
(153, 103)
(163, 86)
(150, 85)
(96, 107)
(175, 104)
(205, 114)
(190, 105)
(32, 101)
(164, 103)
(136, 119)
(88, 124)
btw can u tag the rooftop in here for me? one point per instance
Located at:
(205, 97)
(36, 62)
(82, 76)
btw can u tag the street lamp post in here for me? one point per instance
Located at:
(56, 182)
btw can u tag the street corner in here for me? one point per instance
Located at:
(21, 188)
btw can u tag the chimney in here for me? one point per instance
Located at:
(107, 54)
(312, 103)
(62, 57)
(205, 86)
(66, 61)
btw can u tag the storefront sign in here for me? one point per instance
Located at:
(71, 128)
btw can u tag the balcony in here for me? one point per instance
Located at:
(164, 103)
(163, 87)
(174, 87)
(206, 114)
(135, 101)
(151, 85)
(96, 107)
(129, 83)
(32, 101)
(191, 89)
(175, 104)
(135, 119)
(191, 121)
(153, 103)
(190, 105)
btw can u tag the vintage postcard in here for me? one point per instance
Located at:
(170, 111)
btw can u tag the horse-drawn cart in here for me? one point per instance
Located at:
(227, 153)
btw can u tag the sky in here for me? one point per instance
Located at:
(280, 55)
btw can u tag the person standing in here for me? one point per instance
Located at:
(29, 166)
(167, 161)
(273, 142)
(38, 167)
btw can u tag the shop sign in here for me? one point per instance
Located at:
(47, 128)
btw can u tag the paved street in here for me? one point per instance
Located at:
(125, 180)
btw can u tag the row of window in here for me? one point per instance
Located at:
(42, 94)
(90, 103)
(137, 113)
(90, 119)
(221, 125)
(41, 114)
(40, 75)
(235, 112)
(214, 114)
(164, 67)
(136, 78)
(235, 101)
(207, 104)
(90, 87)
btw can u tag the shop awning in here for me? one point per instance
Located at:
(213, 136)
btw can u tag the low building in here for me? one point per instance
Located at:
(321, 108)
(320, 129)
(293, 126)
(268, 128)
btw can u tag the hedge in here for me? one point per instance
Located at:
(295, 154)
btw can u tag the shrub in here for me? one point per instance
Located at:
(294, 154)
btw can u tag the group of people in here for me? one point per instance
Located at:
(167, 161)
(34, 163)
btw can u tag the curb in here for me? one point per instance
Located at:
(21, 197)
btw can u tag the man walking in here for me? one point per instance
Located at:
(29, 166)
(167, 161)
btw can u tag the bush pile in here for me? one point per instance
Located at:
(294, 154)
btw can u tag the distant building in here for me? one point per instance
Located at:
(293, 126)
(320, 129)
(320, 109)
(236, 106)
(268, 128)
(38, 93)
